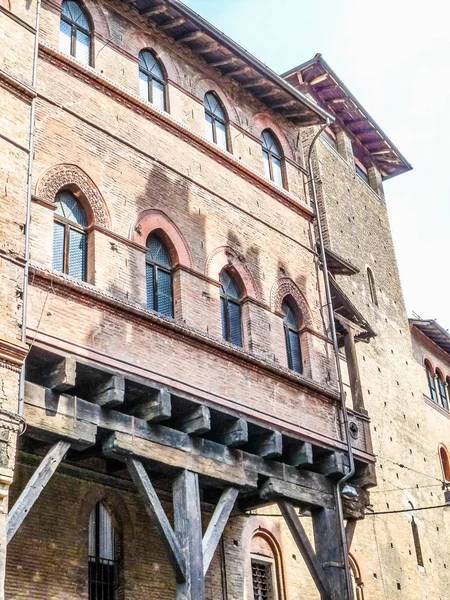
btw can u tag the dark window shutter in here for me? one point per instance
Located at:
(150, 287)
(58, 246)
(235, 329)
(223, 309)
(296, 355)
(77, 254)
(165, 299)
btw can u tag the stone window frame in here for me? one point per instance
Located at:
(268, 530)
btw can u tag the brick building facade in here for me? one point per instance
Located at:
(169, 298)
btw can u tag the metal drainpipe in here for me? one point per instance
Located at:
(350, 474)
(26, 273)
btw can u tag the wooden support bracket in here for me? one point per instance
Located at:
(217, 525)
(232, 433)
(268, 444)
(194, 422)
(154, 408)
(60, 376)
(157, 514)
(316, 495)
(333, 465)
(299, 455)
(34, 487)
(350, 531)
(109, 392)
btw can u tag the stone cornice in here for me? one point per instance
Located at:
(12, 352)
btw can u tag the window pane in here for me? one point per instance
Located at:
(65, 35)
(92, 526)
(158, 95)
(58, 246)
(150, 287)
(83, 48)
(143, 86)
(234, 313)
(296, 355)
(67, 206)
(277, 172)
(209, 127)
(266, 164)
(165, 300)
(157, 252)
(223, 310)
(221, 133)
(106, 531)
(77, 254)
(431, 383)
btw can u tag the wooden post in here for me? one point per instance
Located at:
(328, 542)
(34, 487)
(353, 370)
(188, 529)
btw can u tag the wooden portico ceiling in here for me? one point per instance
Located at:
(317, 77)
(184, 25)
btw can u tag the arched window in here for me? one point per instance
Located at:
(75, 32)
(102, 555)
(267, 575)
(431, 382)
(416, 539)
(152, 84)
(358, 585)
(159, 277)
(272, 157)
(69, 236)
(441, 385)
(216, 123)
(445, 463)
(292, 336)
(231, 310)
(372, 287)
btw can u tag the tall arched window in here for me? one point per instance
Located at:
(102, 555)
(372, 287)
(216, 123)
(431, 382)
(159, 276)
(231, 310)
(292, 336)
(152, 84)
(416, 539)
(75, 32)
(69, 236)
(445, 463)
(272, 157)
(267, 574)
(441, 385)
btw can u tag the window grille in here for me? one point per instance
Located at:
(231, 310)
(216, 124)
(102, 567)
(262, 575)
(272, 157)
(292, 336)
(159, 277)
(69, 236)
(152, 84)
(75, 32)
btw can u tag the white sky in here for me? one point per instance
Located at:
(394, 55)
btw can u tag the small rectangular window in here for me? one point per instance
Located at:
(262, 580)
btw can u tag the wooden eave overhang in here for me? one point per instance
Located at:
(343, 306)
(338, 265)
(433, 331)
(175, 19)
(317, 78)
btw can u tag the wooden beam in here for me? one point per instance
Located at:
(350, 531)
(188, 529)
(194, 422)
(273, 489)
(213, 47)
(190, 37)
(305, 548)
(217, 525)
(353, 370)
(268, 444)
(154, 408)
(232, 433)
(224, 62)
(172, 24)
(255, 83)
(159, 9)
(333, 465)
(299, 455)
(156, 512)
(34, 487)
(319, 79)
(61, 376)
(109, 392)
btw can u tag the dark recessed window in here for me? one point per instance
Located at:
(216, 123)
(445, 463)
(262, 577)
(159, 277)
(292, 336)
(362, 173)
(272, 157)
(231, 310)
(102, 551)
(416, 539)
(431, 383)
(442, 391)
(372, 287)
(69, 236)
(75, 32)
(330, 138)
(152, 85)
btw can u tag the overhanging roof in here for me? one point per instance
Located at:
(343, 306)
(317, 77)
(180, 22)
(434, 332)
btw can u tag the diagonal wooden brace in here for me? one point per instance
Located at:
(217, 525)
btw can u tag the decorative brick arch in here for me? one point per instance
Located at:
(200, 86)
(285, 287)
(224, 256)
(155, 220)
(135, 41)
(65, 176)
(112, 500)
(262, 121)
(96, 16)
